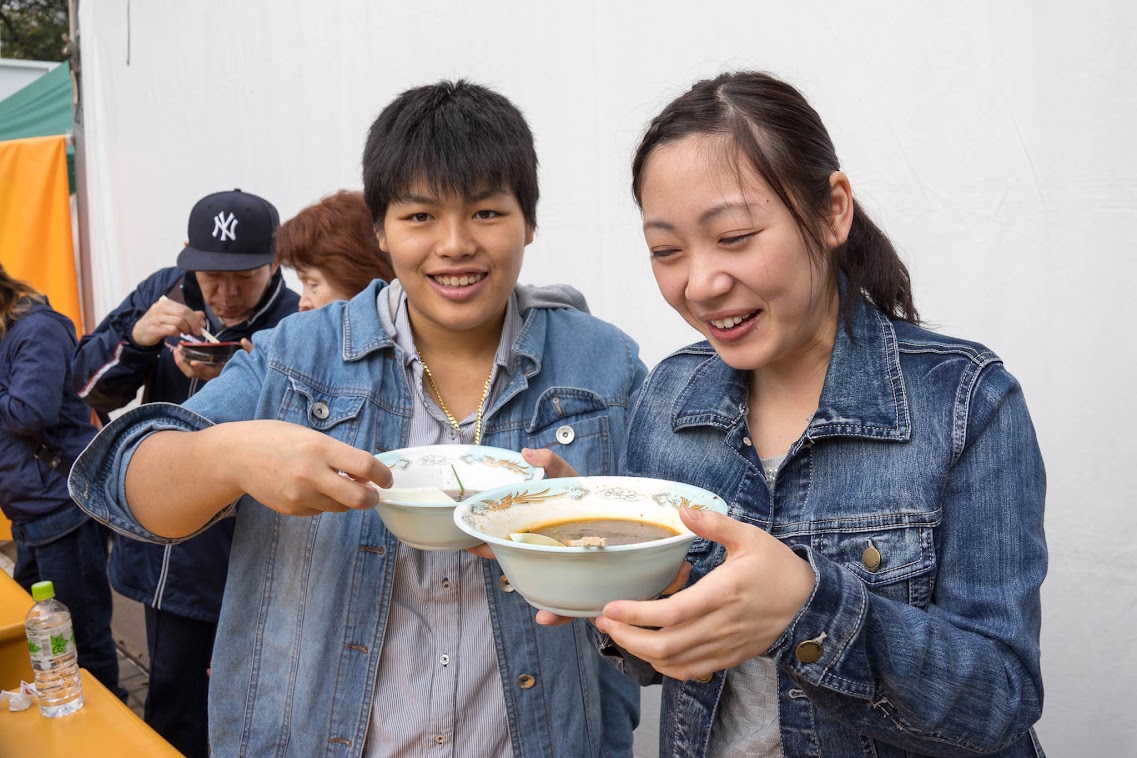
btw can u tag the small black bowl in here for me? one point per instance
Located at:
(209, 352)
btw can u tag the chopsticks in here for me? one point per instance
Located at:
(204, 332)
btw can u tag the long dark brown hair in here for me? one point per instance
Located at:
(16, 299)
(785, 141)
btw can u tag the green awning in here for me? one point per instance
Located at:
(41, 109)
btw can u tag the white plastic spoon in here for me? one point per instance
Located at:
(414, 495)
(530, 538)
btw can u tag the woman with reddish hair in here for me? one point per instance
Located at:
(333, 248)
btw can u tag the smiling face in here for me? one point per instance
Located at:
(457, 258)
(729, 257)
(318, 290)
(233, 295)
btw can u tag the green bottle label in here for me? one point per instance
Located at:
(43, 647)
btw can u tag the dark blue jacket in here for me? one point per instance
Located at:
(38, 406)
(187, 579)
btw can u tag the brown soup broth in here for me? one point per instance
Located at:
(616, 531)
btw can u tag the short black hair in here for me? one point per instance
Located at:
(457, 137)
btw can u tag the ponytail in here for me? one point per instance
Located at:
(870, 263)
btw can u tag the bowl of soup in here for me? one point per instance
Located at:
(431, 480)
(209, 352)
(622, 538)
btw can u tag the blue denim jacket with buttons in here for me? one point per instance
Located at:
(305, 607)
(916, 494)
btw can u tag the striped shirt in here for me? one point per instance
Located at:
(438, 690)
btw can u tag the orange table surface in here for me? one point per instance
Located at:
(15, 602)
(15, 665)
(104, 726)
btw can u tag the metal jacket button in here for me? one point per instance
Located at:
(320, 410)
(505, 585)
(525, 681)
(871, 557)
(809, 651)
(565, 435)
(705, 679)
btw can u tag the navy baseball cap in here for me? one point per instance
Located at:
(230, 231)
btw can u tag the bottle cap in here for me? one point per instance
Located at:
(43, 591)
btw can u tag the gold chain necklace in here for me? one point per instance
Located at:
(449, 415)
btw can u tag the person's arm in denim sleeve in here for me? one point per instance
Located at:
(170, 483)
(961, 677)
(626, 665)
(98, 479)
(30, 403)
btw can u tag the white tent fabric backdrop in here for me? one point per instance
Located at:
(991, 140)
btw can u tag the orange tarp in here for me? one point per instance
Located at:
(35, 220)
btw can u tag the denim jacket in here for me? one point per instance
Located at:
(39, 408)
(302, 623)
(916, 494)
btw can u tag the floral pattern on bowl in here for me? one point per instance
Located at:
(458, 470)
(578, 581)
(577, 492)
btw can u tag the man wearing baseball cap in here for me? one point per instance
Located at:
(226, 283)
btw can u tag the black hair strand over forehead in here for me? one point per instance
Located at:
(450, 138)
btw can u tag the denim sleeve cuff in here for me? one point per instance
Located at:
(821, 646)
(635, 669)
(98, 478)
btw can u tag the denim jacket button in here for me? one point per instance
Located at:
(705, 679)
(525, 681)
(809, 651)
(320, 410)
(505, 585)
(871, 558)
(565, 435)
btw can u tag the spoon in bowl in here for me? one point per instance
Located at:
(413, 494)
(532, 538)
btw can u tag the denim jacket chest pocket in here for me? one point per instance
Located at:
(897, 562)
(339, 415)
(573, 423)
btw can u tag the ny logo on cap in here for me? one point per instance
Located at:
(227, 226)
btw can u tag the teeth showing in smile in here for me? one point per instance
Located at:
(459, 281)
(731, 321)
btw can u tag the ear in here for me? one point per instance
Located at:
(381, 236)
(840, 210)
(529, 232)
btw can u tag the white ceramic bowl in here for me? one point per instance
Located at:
(460, 471)
(578, 581)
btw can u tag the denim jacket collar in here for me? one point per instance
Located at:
(863, 395)
(363, 334)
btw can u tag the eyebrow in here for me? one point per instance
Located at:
(707, 216)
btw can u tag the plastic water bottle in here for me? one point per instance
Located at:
(51, 642)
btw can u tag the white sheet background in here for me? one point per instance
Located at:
(993, 141)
